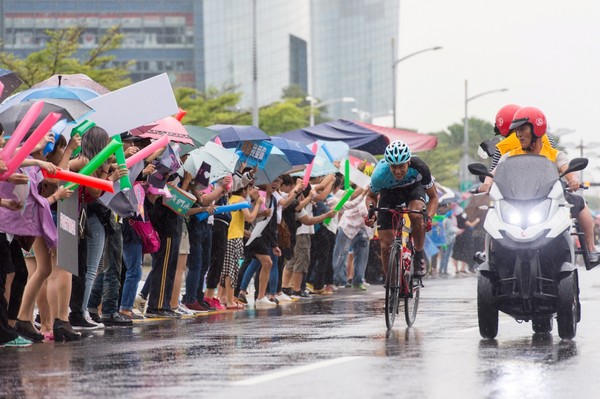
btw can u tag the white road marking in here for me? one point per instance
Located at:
(293, 371)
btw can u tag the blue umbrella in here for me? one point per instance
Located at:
(276, 165)
(60, 92)
(231, 135)
(297, 153)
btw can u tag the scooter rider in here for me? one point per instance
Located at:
(397, 179)
(529, 124)
(504, 118)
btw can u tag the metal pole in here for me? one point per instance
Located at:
(394, 82)
(464, 171)
(312, 113)
(254, 68)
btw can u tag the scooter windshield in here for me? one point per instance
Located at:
(525, 177)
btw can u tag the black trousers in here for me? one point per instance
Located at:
(321, 258)
(164, 267)
(7, 333)
(217, 254)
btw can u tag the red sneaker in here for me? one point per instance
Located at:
(196, 307)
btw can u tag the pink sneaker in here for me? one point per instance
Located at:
(215, 303)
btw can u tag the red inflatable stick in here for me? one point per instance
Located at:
(78, 178)
(308, 171)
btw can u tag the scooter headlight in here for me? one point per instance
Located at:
(531, 216)
(510, 214)
(539, 212)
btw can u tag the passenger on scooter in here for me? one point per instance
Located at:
(529, 124)
(510, 141)
(397, 179)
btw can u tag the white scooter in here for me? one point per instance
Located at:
(529, 270)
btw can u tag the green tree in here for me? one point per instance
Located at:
(59, 56)
(444, 160)
(283, 116)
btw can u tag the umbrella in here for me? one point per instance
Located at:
(321, 167)
(61, 92)
(72, 110)
(199, 135)
(296, 153)
(277, 164)
(364, 156)
(215, 160)
(231, 135)
(10, 82)
(338, 150)
(79, 80)
(169, 126)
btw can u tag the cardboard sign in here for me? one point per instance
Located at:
(134, 105)
(168, 163)
(203, 176)
(181, 201)
(254, 153)
(68, 234)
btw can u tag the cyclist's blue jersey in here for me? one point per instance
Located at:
(418, 172)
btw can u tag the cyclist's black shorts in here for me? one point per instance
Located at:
(577, 201)
(394, 197)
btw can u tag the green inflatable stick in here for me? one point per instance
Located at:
(97, 161)
(120, 155)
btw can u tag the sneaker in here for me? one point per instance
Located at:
(300, 294)
(196, 307)
(18, 342)
(419, 265)
(182, 310)
(140, 303)
(95, 316)
(207, 305)
(264, 303)
(274, 300)
(161, 313)
(116, 320)
(283, 298)
(328, 290)
(131, 314)
(287, 291)
(214, 303)
(361, 287)
(334, 288)
(82, 322)
(311, 288)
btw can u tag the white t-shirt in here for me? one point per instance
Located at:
(278, 197)
(304, 229)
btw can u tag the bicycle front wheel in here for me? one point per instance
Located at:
(392, 287)
(411, 300)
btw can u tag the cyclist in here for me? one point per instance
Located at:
(529, 124)
(398, 179)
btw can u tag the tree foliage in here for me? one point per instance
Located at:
(62, 55)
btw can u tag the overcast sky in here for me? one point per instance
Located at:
(546, 52)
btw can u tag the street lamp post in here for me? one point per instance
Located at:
(464, 175)
(396, 62)
(314, 104)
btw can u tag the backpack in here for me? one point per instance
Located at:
(149, 236)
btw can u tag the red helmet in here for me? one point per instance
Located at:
(534, 117)
(504, 117)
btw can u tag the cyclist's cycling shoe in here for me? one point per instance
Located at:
(419, 265)
(593, 260)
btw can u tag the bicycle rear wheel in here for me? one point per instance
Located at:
(392, 287)
(411, 301)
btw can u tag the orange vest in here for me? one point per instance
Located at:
(547, 151)
(512, 142)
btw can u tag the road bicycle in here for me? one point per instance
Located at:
(400, 283)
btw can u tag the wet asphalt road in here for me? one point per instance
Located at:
(324, 347)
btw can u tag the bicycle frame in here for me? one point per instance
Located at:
(400, 283)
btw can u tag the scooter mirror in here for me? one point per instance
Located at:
(575, 165)
(479, 169)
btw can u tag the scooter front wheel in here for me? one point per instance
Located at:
(487, 313)
(568, 306)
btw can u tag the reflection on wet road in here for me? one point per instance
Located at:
(328, 347)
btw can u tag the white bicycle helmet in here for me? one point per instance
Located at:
(397, 153)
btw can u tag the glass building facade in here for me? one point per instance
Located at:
(330, 48)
